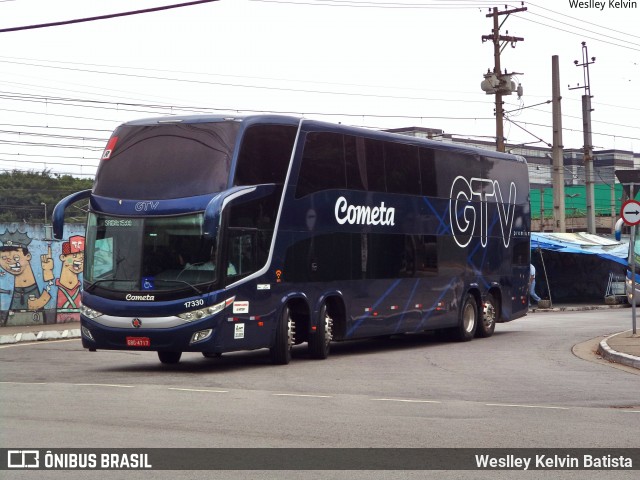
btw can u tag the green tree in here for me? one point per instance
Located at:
(24, 196)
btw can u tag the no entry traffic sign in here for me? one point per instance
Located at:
(630, 212)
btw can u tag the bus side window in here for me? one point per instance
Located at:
(241, 253)
(264, 154)
(323, 164)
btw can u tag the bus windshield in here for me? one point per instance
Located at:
(148, 254)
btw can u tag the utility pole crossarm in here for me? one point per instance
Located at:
(507, 12)
(502, 38)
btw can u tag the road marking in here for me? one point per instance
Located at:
(301, 395)
(102, 385)
(403, 400)
(198, 390)
(525, 406)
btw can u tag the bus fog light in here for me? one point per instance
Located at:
(87, 333)
(201, 335)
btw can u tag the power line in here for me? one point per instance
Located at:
(105, 17)
(227, 84)
(583, 21)
(585, 30)
(443, 4)
(52, 127)
(580, 34)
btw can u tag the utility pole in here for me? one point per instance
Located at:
(586, 130)
(559, 224)
(496, 82)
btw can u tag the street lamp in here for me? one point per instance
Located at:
(45, 211)
(48, 229)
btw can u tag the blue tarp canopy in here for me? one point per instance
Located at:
(584, 243)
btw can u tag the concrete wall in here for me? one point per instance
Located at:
(40, 278)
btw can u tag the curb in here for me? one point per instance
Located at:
(608, 353)
(39, 336)
(582, 308)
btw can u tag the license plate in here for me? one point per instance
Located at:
(138, 342)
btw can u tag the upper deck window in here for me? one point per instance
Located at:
(333, 161)
(265, 154)
(169, 160)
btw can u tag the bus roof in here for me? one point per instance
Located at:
(317, 124)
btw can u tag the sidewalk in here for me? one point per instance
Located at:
(34, 333)
(623, 347)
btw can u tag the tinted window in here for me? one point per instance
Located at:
(250, 230)
(521, 251)
(321, 258)
(166, 160)
(356, 163)
(323, 164)
(375, 165)
(428, 174)
(264, 155)
(402, 168)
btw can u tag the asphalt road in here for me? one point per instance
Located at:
(523, 387)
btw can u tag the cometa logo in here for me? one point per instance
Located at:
(363, 215)
(137, 298)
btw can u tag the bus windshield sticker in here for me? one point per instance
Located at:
(118, 222)
(263, 286)
(241, 307)
(106, 155)
(147, 283)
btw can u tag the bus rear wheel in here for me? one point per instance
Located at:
(170, 358)
(468, 321)
(281, 350)
(490, 311)
(320, 340)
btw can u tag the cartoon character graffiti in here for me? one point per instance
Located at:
(68, 300)
(27, 303)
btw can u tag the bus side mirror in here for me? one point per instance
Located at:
(213, 212)
(618, 230)
(61, 206)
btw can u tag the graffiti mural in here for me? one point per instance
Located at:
(40, 278)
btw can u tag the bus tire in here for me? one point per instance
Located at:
(487, 323)
(169, 358)
(468, 321)
(320, 340)
(281, 350)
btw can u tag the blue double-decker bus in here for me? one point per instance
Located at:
(214, 234)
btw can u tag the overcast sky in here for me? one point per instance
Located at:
(379, 64)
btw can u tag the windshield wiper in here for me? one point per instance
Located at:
(195, 289)
(92, 286)
(100, 280)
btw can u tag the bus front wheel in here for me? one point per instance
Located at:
(320, 340)
(281, 350)
(169, 358)
(468, 321)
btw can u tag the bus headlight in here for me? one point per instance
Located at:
(207, 311)
(90, 313)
